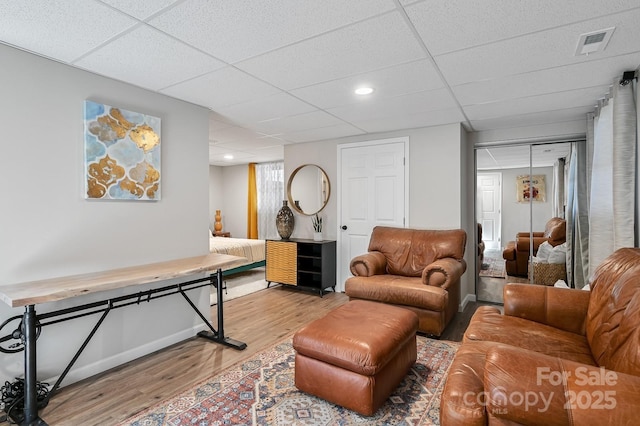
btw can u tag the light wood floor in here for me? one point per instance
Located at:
(259, 319)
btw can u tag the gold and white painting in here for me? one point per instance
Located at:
(122, 153)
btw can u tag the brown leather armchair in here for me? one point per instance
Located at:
(416, 269)
(556, 356)
(516, 254)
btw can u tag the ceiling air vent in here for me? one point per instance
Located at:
(594, 41)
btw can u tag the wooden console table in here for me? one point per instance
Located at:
(28, 294)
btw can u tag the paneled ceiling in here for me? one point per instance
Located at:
(283, 71)
(521, 156)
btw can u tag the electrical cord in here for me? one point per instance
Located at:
(12, 396)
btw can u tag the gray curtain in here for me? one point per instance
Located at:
(578, 216)
(612, 220)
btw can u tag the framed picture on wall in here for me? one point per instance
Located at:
(122, 153)
(531, 187)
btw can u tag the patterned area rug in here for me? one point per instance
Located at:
(261, 391)
(493, 265)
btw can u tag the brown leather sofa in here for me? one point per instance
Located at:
(516, 253)
(417, 269)
(557, 356)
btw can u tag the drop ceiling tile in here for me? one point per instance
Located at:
(149, 59)
(373, 108)
(216, 121)
(240, 29)
(410, 121)
(477, 23)
(331, 132)
(53, 29)
(531, 119)
(373, 44)
(223, 87)
(296, 123)
(239, 157)
(249, 144)
(518, 156)
(232, 134)
(270, 153)
(140, 9)
(539, 51)
(557, 79)
(397, 80)
(266, 108)
(532, 104)
(273, 153)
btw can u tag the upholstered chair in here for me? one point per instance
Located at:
(516, 253)
(416, 269)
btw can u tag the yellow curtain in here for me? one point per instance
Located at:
(252, 204)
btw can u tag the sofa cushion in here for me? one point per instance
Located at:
(398, 290)
(409, 251)
(488, 324)
(464, 388)
(614, 312)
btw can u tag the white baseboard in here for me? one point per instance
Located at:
(86, 371)
(468, 298)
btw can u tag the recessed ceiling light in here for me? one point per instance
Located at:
(228, 157)
(364, 90)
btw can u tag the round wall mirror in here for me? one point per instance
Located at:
(308, 189)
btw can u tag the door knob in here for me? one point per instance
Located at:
(344, 227)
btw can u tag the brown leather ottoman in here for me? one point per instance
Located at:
(356, 355)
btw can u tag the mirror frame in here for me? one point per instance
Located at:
(290, 182)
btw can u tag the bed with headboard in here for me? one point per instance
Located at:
(252, 250)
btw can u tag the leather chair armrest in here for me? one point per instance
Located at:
(526, 387)
(563, 308)
(443, 272)
(368, 264)
(526, 234)
(522, 243)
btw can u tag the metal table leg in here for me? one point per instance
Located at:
(30, 381)
(218, 336)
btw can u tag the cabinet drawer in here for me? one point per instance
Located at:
(281, 262)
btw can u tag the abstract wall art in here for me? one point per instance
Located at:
(121, 153)
(531, 188)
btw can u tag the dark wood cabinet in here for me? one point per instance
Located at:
(306, 264)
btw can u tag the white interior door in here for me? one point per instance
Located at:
(488, 207)
(372, 191)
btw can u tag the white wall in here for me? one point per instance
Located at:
(235, 199)
(216, 201)
(48, 229)
(437, 182)
(228, 192)
(323, 154)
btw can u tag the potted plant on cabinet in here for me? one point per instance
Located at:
(317, 227)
